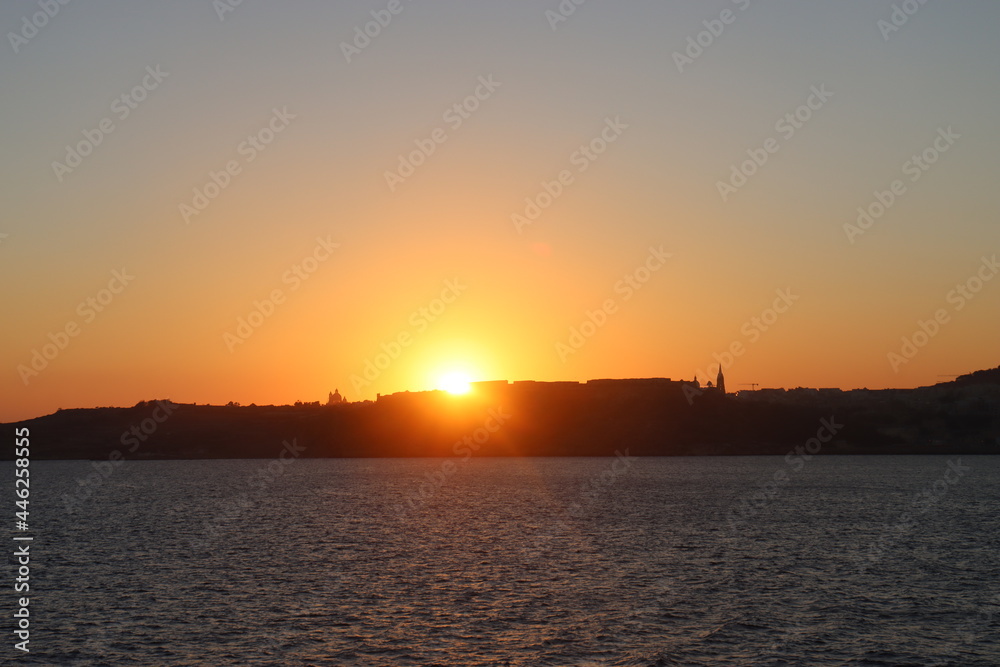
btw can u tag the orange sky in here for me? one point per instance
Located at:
(673, 207)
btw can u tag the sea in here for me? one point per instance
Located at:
(797, 560)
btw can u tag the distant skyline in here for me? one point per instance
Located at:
(211, 202)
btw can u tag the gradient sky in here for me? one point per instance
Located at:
(656, 185)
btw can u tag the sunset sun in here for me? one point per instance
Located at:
(454, 383)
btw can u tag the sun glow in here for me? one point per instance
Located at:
(454, 383)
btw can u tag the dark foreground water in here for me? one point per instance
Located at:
(668, 561)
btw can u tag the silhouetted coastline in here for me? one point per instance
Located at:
(646, 417)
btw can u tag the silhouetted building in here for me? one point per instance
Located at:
(502, 391)
(720, 381)
(335, 398)
(489, 385)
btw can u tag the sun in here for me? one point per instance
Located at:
(454, 383)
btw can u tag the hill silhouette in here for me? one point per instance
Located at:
(647, 417)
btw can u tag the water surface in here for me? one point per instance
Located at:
(647, 561)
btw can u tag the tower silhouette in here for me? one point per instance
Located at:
(720, 381)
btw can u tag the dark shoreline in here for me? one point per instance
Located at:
(646, 417)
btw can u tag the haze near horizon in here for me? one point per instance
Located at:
(213, 202)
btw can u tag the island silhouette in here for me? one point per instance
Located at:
(644, 416)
